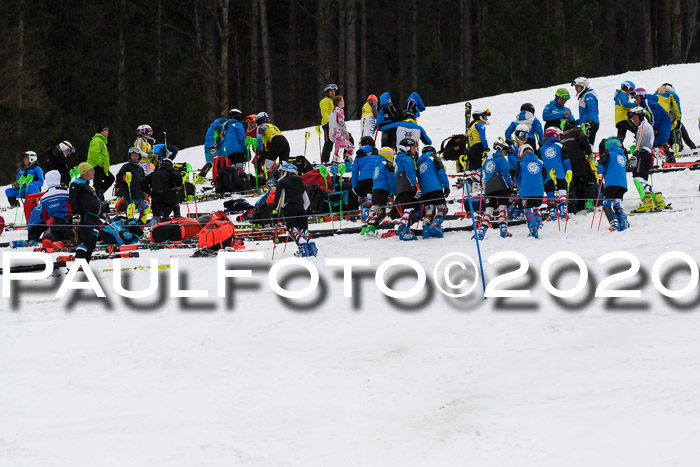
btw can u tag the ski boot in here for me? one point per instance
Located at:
(405, 233)
(552, 212)
(532, 224)
(364, 211)
(481, 231)
(434, 229)
(311, 248)
(19, 244)
(368, 230)
(622, 216)
(503, 227)
(670, 156)
(647, 204)
(563, 209)
(614, 225)
(13, 201)
(659, 201)
(303, 251)
(515, 212)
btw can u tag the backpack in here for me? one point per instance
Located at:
(315, 178)
(241, 181)
(121, 231)
(217, 164)
(302, 164)
(237, 205)
(453, 147)
(175, 230)
(225, 180)
(218, 233)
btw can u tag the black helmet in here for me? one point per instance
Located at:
(429, 149)
(406, 144)
(367, 141)
(528, 107)
(235, 114)
(407, 114)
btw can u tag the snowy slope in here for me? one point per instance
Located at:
(254, 380)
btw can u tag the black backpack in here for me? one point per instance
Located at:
(241, 181)
(225, 180)
(453, 147)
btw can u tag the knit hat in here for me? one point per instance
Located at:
(101, 128)
(83, 167)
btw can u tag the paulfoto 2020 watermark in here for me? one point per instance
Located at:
(455, 275)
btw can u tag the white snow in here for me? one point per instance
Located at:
(253, 380)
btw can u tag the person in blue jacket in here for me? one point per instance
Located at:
(30, 179)
(234, 138)
(497, 189)
(555, 112)
(436, 187)
(52, 212)
(414, 104)
(408, 189)
(526, 117)
(214, 140)
(407, 128)
(558, 170)
(587, 107)
(530, 179)
(366, 159)
(383, 188)
(387, 113)
(612, 165)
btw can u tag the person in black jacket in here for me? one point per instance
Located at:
(165, 186)
(86, 208)
(129, 183)
(292, 199)
(583, 190)
(57, 159)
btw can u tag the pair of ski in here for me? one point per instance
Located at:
(62, 262)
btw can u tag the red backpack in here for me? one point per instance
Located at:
(176, 230)
(315, 178)
(218, 233)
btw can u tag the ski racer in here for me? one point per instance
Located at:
(383, 188)
(408, 189)
(530, 179)
(612, 165)
(478, 146)
(369, 116)
(623, 104)
(497, 188)
(526, 117)
(433, 180)
(641, 162)
(587, 107)
(558, 171)
(86, 208)
(366, 159)
(292, 200)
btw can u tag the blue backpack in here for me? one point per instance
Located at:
(121, 231)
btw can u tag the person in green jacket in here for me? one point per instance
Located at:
(98, 157)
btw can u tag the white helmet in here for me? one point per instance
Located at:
(580, 81)
(66, 146)
(144, 130)
(135, 150)
(523, 148)
(521, 133)
(31, 155)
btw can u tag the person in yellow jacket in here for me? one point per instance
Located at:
(326, 106)
(98, 157)
(272, 144)
(624, 104)
(369, 115)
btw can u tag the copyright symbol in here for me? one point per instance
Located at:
(456, 275)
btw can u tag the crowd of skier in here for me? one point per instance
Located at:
(553, 159)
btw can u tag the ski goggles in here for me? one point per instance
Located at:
(331, 87)
(521, 135)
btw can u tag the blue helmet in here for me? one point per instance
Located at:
(627, 86)
(288, 168)
(261, 117)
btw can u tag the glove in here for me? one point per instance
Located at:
(633, 161)
(76, 219)
(212, 151)
(569, 176)
(446, 192)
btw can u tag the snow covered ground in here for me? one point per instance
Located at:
(256, 380)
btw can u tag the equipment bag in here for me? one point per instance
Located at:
(225, 180)
(241, 180)
(218, 233)
(121, 231)
(453, 147)
(175, 230)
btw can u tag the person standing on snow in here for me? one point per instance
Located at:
(584, 178)
(57, 159)
(641, 162)
(407, 128)
(165, 187)
(326, 106)
(339, 133)
(587, 107)
(497, 189)
(408, 190)
(555, 112)
(623, 104)
(530, 179)
(383, 188)
(478, 146)
(98, 158)
(558, 171)
(292, 200)
(433, 180)
(369, 115)
(612, 164)
(526, 117)
(366, 159)
(234, 139)
(86, 208)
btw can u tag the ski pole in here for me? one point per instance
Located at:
(306, 140)
(324, 173)
(320, 150)
(478, 248)
(595, 211)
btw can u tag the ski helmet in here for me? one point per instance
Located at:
(31, 155)
(429, 149)
(581, 81)
(235, 114)
(367, 141)
(481, 114)
(144, 130)
(406, 144)
(288, 168)
(563, 93)
(528, 107)
(638, 111)
(521, 133)
(330, 87)
(524, 149)
(372, 97)
(64, 146)
(553, 131)
(500, 145)
(639, 92)
(387, 153)
(627, 86)
(167, 161)
(135, 150)
(670, 86)
(612, 141)
(262, 117)
(250, 118)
